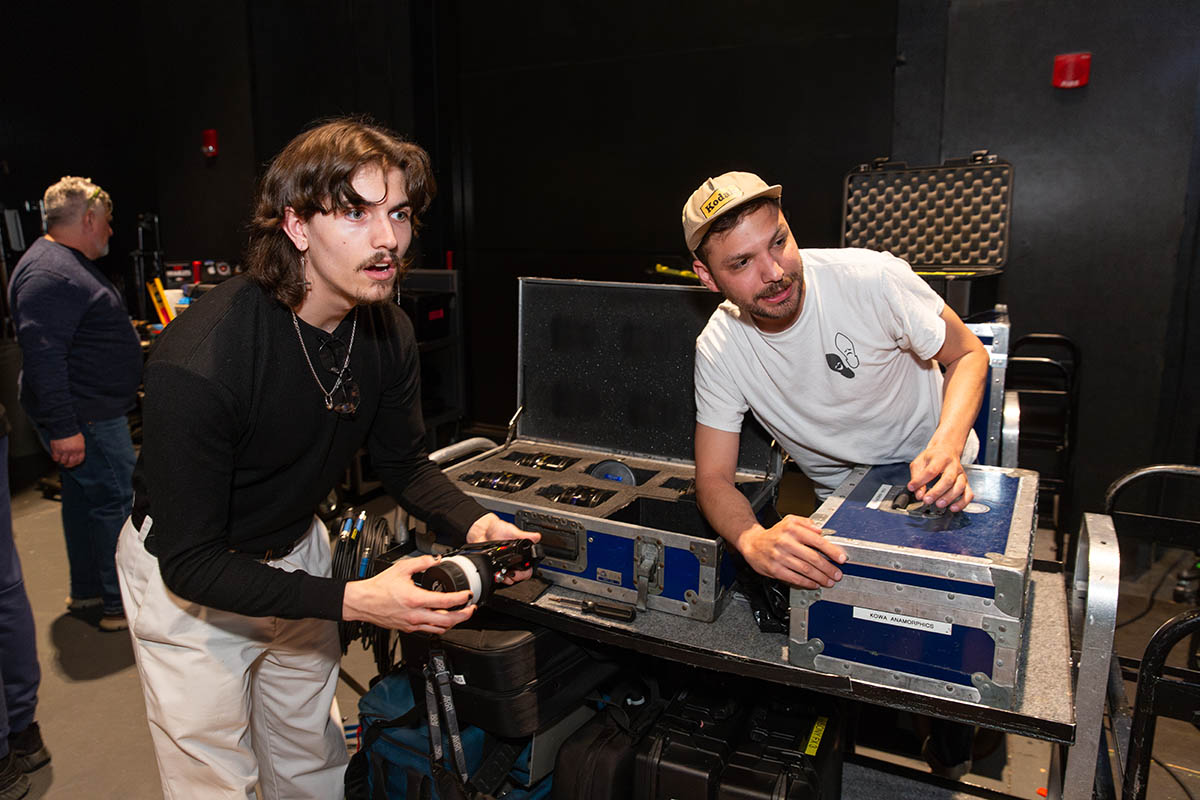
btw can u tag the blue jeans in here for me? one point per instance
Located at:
(19, 671)
(97, 496)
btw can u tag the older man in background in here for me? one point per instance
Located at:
(82, 365)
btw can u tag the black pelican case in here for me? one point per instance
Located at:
(951, 222)
(714, 747)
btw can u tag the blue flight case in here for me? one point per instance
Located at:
(934, 604)
(599, 456)
(994, 424)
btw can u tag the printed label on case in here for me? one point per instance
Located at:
(814, 738)
(608, 576)
(899, 620)
(879, 495)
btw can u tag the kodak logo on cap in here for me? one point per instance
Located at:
(717, 199)
(717, 196)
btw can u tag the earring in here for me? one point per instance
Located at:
(304, 273)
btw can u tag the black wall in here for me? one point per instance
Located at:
(1101, 181)
(198, 77)
(313, 60)
(566, 137)
(76, 103)
(259, 73)
(583, 128)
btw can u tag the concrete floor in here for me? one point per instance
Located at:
(92, 715)
(90, 705)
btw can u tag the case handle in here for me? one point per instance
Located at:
(882, 162)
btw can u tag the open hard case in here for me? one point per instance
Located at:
(951, 222)
(599, 457)
(935, 604)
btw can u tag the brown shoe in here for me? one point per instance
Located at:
(14, 784)
(78, 604)
(114, 622)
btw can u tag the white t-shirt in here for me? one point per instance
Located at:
(850, 382)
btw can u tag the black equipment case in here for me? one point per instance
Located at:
(597, 761)
(510, 678)
(711, 747)
(951, 223)
(599, 456)
(788, 753)
(688, 748)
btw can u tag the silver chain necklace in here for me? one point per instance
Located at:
(328, 395)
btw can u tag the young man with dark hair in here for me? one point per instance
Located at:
(836, 353)
(256, 400)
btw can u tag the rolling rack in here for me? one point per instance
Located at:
(1162, 690)
(1065, 659)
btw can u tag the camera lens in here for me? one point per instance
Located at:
(549, 461)
(456, 574)
(578, 495)
(499, 481)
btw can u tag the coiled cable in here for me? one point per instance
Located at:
(357, 547)
(346, 558)
(375, 541)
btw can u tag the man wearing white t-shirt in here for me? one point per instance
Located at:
(834, 352)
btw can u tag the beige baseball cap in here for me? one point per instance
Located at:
(718, 195)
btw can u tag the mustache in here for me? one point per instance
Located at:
(777, 287)
(390, 256)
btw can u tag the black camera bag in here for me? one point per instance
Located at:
(511, 678)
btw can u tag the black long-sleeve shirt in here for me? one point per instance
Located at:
(239, 449)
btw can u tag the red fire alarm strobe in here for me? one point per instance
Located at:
(208, 144)
(1071, 70)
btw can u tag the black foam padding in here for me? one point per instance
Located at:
(947, 216)
(608, 366)
(680, 516)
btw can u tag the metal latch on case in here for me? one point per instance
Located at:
(647, 569)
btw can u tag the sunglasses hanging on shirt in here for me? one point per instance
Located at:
(334, 357)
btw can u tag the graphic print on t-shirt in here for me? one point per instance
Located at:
(846, 359)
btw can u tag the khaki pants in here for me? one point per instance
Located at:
(234, 701)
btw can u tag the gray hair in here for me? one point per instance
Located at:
(70, 198)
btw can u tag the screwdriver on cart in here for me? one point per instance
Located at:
(618, 611)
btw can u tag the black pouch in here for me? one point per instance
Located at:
(770, 600)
